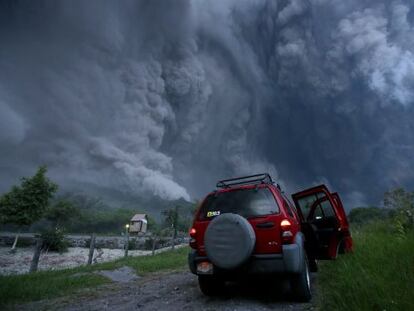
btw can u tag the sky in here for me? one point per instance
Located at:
(163, 98)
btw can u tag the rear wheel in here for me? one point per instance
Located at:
(300, 284)
(211, 285)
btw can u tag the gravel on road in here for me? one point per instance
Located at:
(178, 291)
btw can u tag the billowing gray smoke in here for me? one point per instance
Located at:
(164, 97)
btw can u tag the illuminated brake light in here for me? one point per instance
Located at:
(193, 241)
(287, 235)
(285, 224)
(193, 232)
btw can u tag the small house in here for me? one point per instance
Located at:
(138, 223)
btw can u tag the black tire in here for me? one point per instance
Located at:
(300, 284)
(211, 285)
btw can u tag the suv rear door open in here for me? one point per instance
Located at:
(324, 222)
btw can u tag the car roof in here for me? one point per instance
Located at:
(242, 187)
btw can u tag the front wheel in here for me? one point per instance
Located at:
(210, 285)
(300, 284)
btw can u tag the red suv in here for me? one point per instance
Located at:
(249, 227)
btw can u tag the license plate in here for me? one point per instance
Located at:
(205, 267)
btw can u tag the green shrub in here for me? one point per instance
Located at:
(148, 243)
(54, 240)
(159, 242)
(364, 215)
(133, 244)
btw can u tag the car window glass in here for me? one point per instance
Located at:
(287, 207)
(324, 208)
(306, 203)
(245, 202)
(318, 213)
(327, 208)
(291, 207)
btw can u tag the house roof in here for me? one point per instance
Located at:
(138, 217)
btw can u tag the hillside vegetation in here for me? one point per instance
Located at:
(75, 212)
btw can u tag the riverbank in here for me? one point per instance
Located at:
(19, 262)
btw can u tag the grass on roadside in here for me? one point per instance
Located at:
(49, 284)
(146, 264)
(378, 276)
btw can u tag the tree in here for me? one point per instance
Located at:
(183, 216)
(363, 215)
(398, 199)
(25, 204)
(59, 215)
(171, 219)
(61, 212)
(401, 203)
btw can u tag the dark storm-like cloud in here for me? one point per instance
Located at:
(164, 97)
(344, 78)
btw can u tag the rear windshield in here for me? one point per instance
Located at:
(244, 202)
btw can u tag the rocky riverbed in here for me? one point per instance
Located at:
(19, 262)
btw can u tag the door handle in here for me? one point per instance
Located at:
(269, 224)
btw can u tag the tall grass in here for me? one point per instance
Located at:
(379, 275)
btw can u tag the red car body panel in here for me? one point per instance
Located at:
(268, 227)
(268, 239)
(341, 235)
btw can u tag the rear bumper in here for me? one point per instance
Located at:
(287, 262)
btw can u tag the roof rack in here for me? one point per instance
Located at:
(246, 180)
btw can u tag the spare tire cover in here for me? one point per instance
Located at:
(229, 240)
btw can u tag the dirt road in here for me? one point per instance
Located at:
(177, 291)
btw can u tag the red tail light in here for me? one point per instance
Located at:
(193, 241)
(287, 235)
